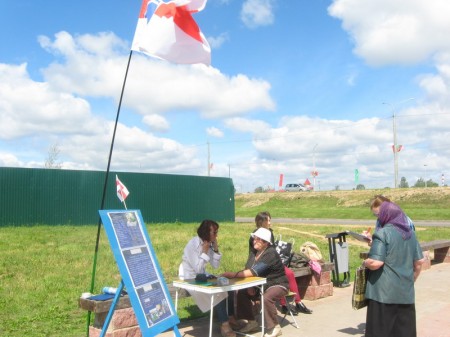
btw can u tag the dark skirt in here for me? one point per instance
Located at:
(390, 320)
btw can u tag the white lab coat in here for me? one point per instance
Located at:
(194, 262)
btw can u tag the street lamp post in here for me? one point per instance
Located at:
(394, 131)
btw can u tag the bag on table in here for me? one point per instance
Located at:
(359, 288)
(311, 250)
(284, 249)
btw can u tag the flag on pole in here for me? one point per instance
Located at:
(167, 30)
(399, 148)
(280, 183)
(122, 191)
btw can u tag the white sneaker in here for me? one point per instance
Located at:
(276, 331)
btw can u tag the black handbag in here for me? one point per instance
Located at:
(359, 288)
(284, 249)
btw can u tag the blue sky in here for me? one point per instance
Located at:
(291, 84)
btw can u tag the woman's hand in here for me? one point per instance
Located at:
(228, 274)
(205, 246)
(368, 236)
(215, 245)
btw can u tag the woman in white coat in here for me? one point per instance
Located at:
(200, 251)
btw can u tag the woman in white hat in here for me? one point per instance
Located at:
(263, 261)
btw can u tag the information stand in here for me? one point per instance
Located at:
(141, 273)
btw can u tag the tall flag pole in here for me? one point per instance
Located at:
(99, 225)
(165, 30)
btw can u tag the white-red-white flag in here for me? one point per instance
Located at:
(167, 30)
(399, 148)
(122, 191)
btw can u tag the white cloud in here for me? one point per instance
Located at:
(218, 41)
(92, 66)
(156, 122)
(255, 13)
(247, 125)
(28, 107)
(153, 86)
(341, 146)
(395, 32)
(437, 86)
(9, 160)
(134, 150)
(214, 132)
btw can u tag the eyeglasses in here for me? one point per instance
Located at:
(258, 239)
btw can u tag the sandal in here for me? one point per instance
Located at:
(226, 330)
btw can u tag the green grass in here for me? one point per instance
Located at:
(419, 204)
(44, 269)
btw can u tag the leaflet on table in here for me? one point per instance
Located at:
(358, 236)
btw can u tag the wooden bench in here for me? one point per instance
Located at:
(440, 248)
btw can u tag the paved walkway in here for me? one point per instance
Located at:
(334, 317)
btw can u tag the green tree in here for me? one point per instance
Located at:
(52, 159)
(431, 183)
(403, 183)
(360, 187)
(259, 190)
(420, 183)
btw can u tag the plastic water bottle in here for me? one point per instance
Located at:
(109, 290)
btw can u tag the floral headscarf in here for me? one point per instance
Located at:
(391, 213)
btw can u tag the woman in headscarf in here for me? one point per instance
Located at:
(395, 261)
(375, 209)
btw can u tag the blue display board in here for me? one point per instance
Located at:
(140, 270)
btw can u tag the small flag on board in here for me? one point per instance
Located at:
(122, 191)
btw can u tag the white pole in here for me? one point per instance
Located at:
(314, 167)
(394, 131)
(426, 174)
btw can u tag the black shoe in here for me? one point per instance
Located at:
(285, 310)
(301, 307)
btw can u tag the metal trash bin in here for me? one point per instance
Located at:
(338, 248)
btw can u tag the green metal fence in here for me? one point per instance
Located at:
(52, 197)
